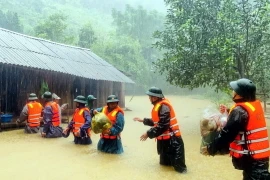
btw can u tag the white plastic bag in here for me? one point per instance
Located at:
(212, 121)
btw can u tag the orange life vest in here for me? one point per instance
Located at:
(174, 127)
(79, 120)
(255, 137)
(55, 110)
(34, 114)
(112, 117)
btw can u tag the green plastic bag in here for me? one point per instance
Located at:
(100, 122)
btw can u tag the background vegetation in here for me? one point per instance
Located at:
(197, 43)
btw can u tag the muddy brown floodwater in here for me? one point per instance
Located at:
(30, 157)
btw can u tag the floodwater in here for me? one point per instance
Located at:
(30, 157)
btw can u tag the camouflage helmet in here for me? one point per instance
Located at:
(47, 95)
(112, 98)
(80, 99)
(244, 87)
(91, 97)
(156, 92)
(32, 97)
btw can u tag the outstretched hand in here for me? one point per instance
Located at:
(137, 119)
(144, 137)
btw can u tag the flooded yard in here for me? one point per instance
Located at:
(28, 156)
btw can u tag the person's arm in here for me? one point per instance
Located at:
(88, 120)
(47, 118)
(70, 124)
(163, 123)
(97, 110)
(23, 115)
(118, 127)
(237, 120)
(148, 122)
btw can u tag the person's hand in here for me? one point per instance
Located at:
(144, 137)
(204, 151)
(41, 119)
(137, 119)
(17, 121)
(222, 108)
(64, 106)
(106, 131)
(77, 134)
(65, 131)
(43, 134)
(95, 111)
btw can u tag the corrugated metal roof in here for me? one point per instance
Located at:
(22, 50)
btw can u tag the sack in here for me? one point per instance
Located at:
(100, 122)
(210, 125)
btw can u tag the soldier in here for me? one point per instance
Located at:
(81, 123)
(170, 145)
(31, 113)
(89, 103)
(51, 118)
(110, 140)
(246, 132)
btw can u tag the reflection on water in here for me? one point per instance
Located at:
(30, 157)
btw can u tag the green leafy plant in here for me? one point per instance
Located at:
(44, 87)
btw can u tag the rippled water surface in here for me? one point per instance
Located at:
(30, 157)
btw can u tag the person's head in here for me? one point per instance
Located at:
(55, 98)
(112, 101)
(243, 89)
(90, 100)
(32, 97)
(47, 96)
(80, 101)
(155, 94)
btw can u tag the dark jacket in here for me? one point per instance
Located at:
(237, 121)
(171, 151)
(163, 124)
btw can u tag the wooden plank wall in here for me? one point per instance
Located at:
(16, 83)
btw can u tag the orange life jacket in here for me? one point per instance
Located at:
(34, 114)
(112, 117)
(255, 137)
(174, 127)
(79, 120)
(55, 110)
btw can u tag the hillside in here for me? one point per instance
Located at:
(79, 12)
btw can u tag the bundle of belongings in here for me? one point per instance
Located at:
(210, 126)
(100, 122)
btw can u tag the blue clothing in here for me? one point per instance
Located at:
(113, 146)
(50, 130)
(84, 139)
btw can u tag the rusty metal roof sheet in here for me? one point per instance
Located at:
(22, 50)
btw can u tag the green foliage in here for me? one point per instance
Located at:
(139, 24)
(44, 87)
(87, 36)
(67, 21)
(11, 21)
(54, 29)
(218, 97)
(125, 54)
(211, 42)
